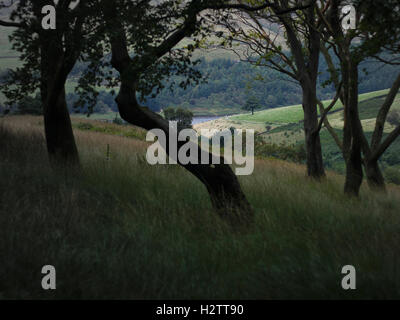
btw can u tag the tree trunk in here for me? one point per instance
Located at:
(307, 75)
(60, 139)
(353, 129)
(227, 197)
(315, 166)
(354, 172)
(226, 194)
(375, 178)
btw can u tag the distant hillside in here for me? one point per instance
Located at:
(228, 84)
(285, 126)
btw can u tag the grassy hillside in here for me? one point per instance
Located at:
(295, 113)
(289, 118)
(283, 126)
(124, 229)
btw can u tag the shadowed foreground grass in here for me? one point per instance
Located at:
(124, 229)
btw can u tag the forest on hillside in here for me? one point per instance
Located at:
(227, 84)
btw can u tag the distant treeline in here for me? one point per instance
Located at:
(229, 83)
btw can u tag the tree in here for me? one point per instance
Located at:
(154, 48)
(169, 113)
(101, 108)
(49, 56)
(373, 40)
(252, 103)
(184, 117)
(294, 53)
(148, 29)
(30, 105)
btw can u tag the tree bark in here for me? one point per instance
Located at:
(307, 74)
(354, 139)
(354, 172)
(60, 139)
(353, 129)
(315, 166)
(375, 179)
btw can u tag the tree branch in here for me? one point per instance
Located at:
(267, 4)
(386, 144)
(11, 24)
(329, 108)
(383, 112)
(329, 127)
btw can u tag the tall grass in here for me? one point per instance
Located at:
(124, 229)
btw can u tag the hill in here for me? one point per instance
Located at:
(284, 126)
(122, 229)
(228, 84)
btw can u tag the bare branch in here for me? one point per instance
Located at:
(328, 126)
(11, 24)
(325, 113)
(386, 144)
(383, 112)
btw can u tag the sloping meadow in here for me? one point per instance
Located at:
(120, 228)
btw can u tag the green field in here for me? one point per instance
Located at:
(292, 114)
(285, 127)
(97, 116)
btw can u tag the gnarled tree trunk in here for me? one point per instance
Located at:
(226, 195)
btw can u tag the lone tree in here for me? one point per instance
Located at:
(252, 103)
(184, 117)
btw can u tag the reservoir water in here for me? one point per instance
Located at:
(197, 120)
